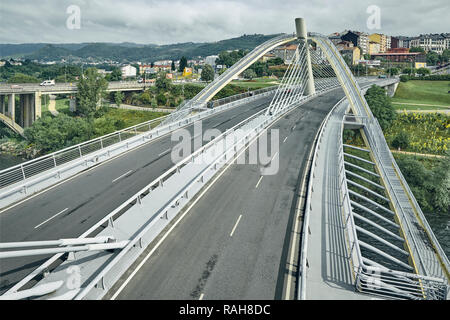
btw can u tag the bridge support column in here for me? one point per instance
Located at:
(27, 107)
(2, 104)
(37, 105)
(23, 109)
(12, 106)
(390, 89)
(302, 34)
(72, 104)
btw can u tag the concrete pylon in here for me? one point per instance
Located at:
(72, 104)
(2, 104)
(23, 107)
(302, 35)
(37, 105)
(12, 106)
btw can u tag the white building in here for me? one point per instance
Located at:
(432, 42)
(128, 71)
(211, 60)
(363, 42)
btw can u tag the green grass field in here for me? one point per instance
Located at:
(257, 83)
(131, 117)
(422, 95)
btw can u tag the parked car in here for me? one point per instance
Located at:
(48, 83)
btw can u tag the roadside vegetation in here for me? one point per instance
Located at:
(420, 132)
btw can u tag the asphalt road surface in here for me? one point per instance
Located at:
(233, 243)
(71, 208)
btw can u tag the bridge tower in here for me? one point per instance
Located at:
(302, 35)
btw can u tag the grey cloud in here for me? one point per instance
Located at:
(163, 22)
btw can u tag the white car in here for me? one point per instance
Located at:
(48, 83)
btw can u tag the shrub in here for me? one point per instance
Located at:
(404, 78)
(50, 134)
(381, 106)
(401, 140)
(161, 99)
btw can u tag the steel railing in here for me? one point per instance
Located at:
(36, 166)
(382, 281)
(19, 181)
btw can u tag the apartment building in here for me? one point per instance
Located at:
(381, 39)
(432, 42)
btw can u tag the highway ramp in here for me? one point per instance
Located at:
(234, 242)
(72, 207)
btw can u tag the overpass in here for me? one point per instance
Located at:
(30, 100)
(252, 227)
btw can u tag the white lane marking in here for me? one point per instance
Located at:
(259, 181)
(285, 139)
(51, 218)
(122, 176)
(201, 296)
(276, 153)
(234, 228)
(164, 153)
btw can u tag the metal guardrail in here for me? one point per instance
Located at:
(433, 287)
(375, 280)
(33, 167)
(72, 87)
(378, 140)
(305, 230)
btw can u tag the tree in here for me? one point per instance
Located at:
(404, 78)
(423, 71)
(392, 71)
(173, 66)
(380, 105)
(162, 83)
(161, 99)
(50, 134)
(183, 64)
(401, 140)
(432, 58)
(417, 49)
(22, 78)
(91, 88)
(145, 98)
(441, 185)
(445, 57)
(261, 68)
(207, 73)
(249, 74)
(118, 98)
(115, 75)
(418, 178)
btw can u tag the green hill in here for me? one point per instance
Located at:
(133, 52)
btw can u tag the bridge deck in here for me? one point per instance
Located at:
(329, 275)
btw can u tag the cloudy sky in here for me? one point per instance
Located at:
(172, 21)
